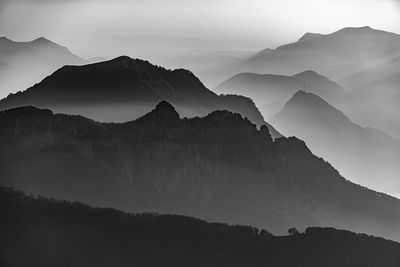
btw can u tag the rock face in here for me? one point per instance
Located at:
(219, 167)
(125, 88)
(84, 236)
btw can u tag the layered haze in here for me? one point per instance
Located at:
(278, 115)
(170, 32)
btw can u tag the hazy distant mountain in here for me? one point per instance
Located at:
(219, 167)
(25, 63)
(59, 233)
(123, 89)
(336, 55)
(269, 89)
(360, 155)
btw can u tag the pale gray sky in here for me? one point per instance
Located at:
(141, 27)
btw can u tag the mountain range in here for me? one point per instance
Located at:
(363, 60)
(336, 55)
(360, 154)
(271, 91)
(123, 89)
(220, 167)
(61, 233)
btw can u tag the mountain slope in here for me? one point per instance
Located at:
(336, 55)
(123, 88)
(219, 167)
(59, 233)
(269, 88)
(29, 62)
(359, 155)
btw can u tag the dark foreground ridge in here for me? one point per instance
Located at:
(43, 232)
(220, 167)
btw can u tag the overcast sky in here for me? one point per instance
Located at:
(139, 27)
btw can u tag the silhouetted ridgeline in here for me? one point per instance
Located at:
(219, 167)
(123, 88)
(42, 232)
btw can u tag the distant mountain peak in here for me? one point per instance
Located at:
(306, 97)
(309, 36)
(309, 72)
(310, 101)
(355, 31)
(310, 75)
(311, 107)
(41, 40)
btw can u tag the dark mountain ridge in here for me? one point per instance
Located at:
(61, 233)
(219, 167)
(123, 88)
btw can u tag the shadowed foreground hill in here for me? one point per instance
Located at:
(219, 167)
(41, 232)
(123, 88)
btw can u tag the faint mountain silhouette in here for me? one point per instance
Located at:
(336, 55)
(369, 159)
(29, 62)
(270, 91)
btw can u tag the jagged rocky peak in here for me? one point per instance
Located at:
(357, 29)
